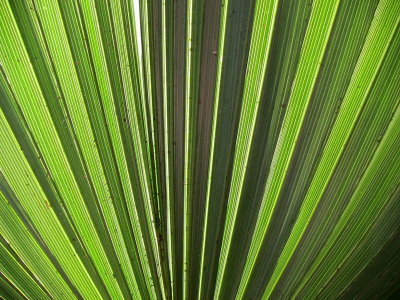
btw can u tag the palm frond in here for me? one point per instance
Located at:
(199, 149)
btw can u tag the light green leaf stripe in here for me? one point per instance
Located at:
(221, 50)
(13, 230)
(18, 275)
(167, 38)
(36, 206)
(367, 67)
(194, 11)
(314, 45)
(264, 17)
(8, 290)
(383, 173)
(117, 119)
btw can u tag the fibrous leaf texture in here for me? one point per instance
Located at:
(199, 149)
